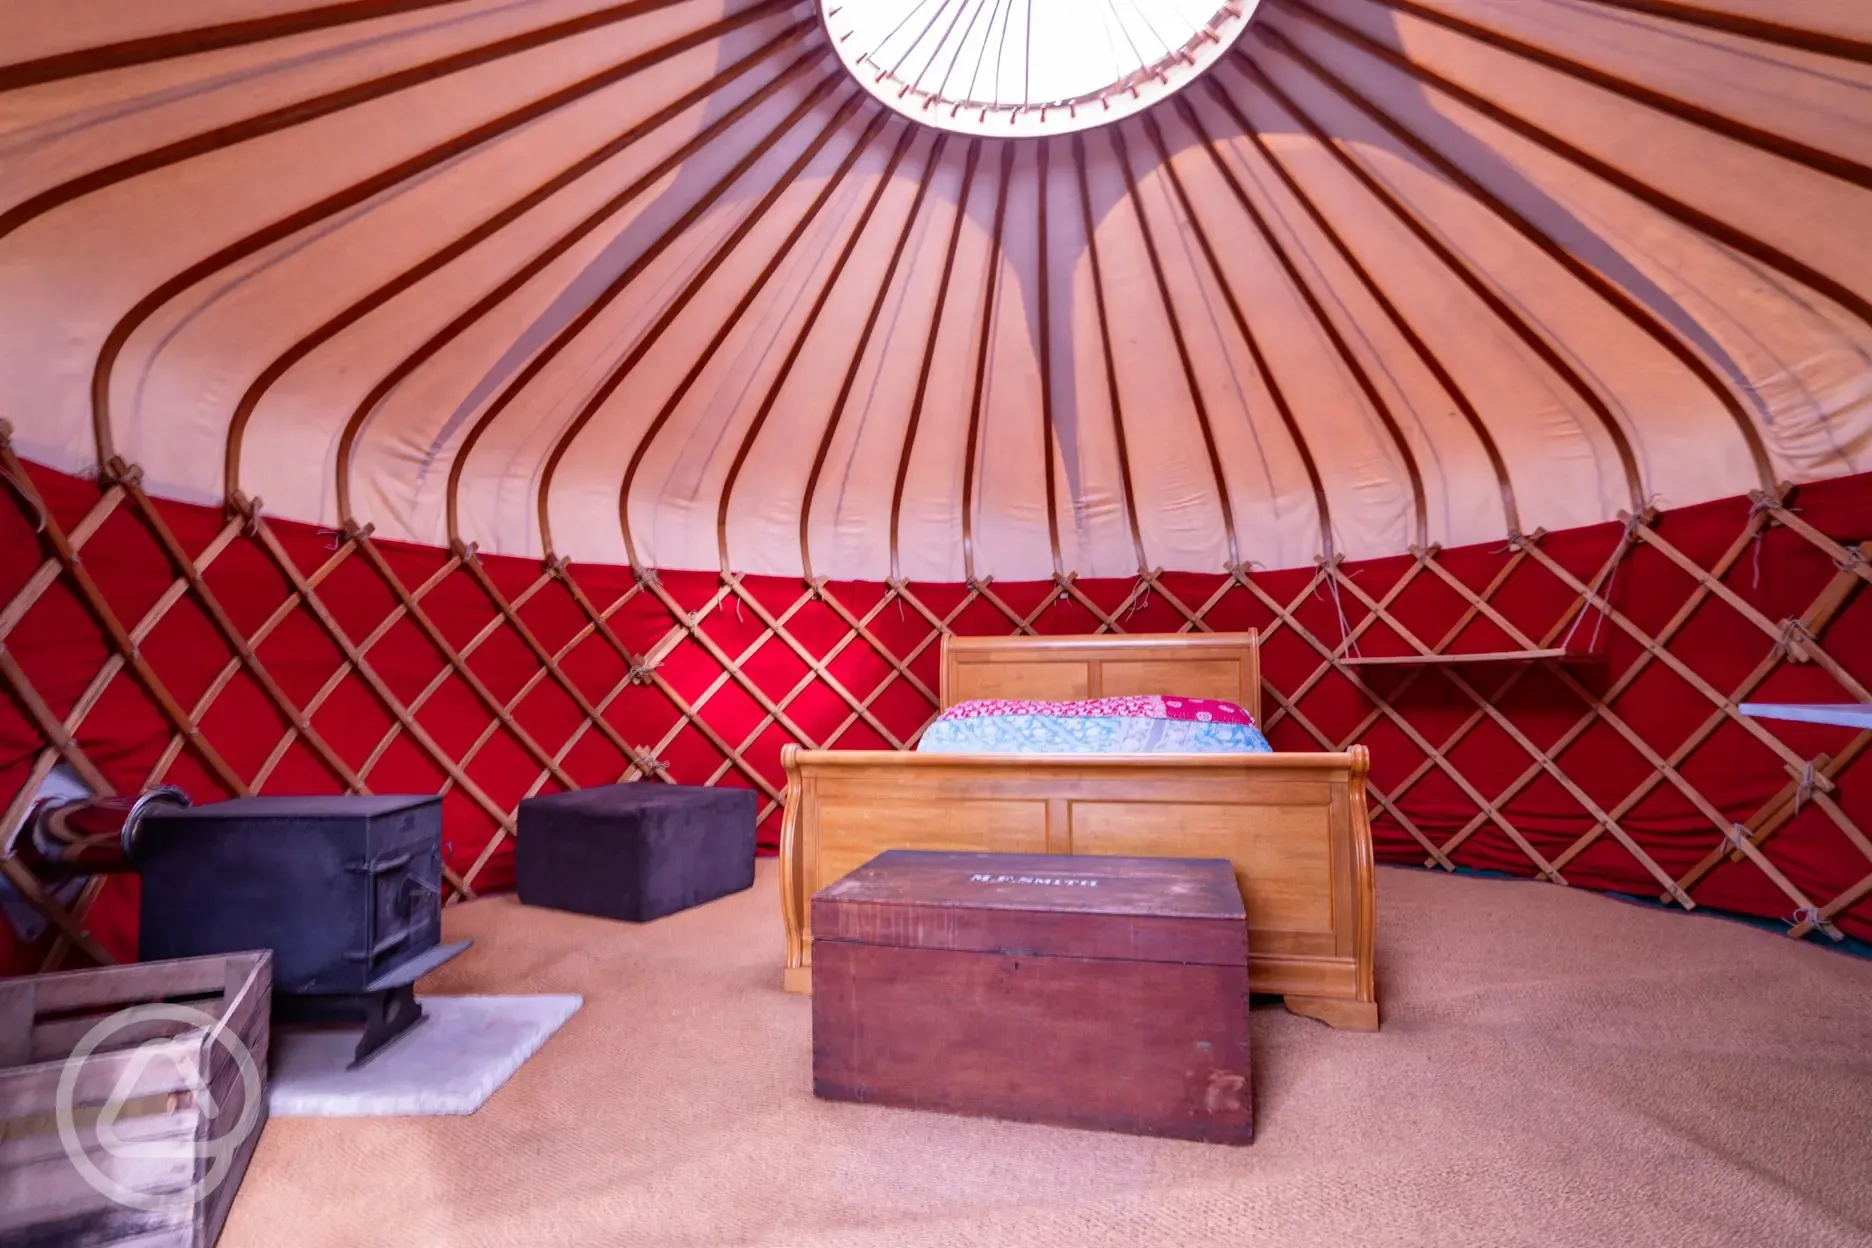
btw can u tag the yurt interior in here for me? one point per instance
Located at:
(900, 623)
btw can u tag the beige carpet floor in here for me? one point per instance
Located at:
(1555, 1068)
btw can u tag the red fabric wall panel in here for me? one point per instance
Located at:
(522, 732)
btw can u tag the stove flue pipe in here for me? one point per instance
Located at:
(64, 838)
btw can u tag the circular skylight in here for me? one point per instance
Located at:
(1017, 67)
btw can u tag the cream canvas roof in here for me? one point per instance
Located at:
(657, 282)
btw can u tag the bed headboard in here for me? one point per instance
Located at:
(1226, 666)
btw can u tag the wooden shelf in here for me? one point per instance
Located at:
(1494, 656)
(1845, 714)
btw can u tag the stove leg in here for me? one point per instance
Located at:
(387, 1015)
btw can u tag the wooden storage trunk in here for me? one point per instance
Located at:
(1107, 993)
(168, 1088)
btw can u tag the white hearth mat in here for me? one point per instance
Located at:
(451, 1062)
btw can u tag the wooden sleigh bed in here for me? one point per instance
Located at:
(1294, 825)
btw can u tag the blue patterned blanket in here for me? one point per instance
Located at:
(1136, 725)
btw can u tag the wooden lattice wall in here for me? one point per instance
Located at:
(145, 641)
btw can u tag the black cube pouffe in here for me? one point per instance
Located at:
(634, 851)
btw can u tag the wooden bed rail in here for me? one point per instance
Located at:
(1295, 826)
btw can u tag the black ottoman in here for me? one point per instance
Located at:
(634, 851)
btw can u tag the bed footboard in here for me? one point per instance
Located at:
(1294, 825)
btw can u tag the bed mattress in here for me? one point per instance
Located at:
(1148, 724)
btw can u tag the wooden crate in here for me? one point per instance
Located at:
(160, 1115)
(1096, 992)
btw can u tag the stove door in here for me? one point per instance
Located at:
(406, 907)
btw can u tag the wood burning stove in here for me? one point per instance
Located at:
(345, 890)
